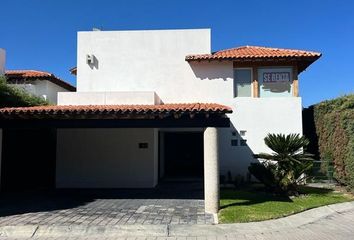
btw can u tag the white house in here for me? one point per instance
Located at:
(39, 83)
(158, 104)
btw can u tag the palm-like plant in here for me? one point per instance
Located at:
(288, 160)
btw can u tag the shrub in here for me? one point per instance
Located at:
(264, 174)
(11, 96)
(282, 170)
(333, 128)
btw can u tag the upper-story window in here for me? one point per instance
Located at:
(275, 81)
(242, 82)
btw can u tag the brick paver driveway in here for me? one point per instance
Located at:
(170, 203)
(339, 226)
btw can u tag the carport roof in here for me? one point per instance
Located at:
(175, 110)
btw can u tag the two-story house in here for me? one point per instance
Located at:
(158, 104)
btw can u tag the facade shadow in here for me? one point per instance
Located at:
(13, 203)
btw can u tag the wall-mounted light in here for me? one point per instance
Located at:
(90, 59)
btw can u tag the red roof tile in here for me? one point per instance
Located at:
(254, 52)
(28, 73)
(34, 75)
(112, 110)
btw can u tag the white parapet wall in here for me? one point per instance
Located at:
(107, 158)
(108, 98)
(2, 61)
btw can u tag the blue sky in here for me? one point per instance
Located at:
(41, 34)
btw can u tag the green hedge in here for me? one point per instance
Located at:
(330, 127)
(11, 96)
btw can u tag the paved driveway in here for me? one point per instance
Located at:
(170, 203)
(336, 226)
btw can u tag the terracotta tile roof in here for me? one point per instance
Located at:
(30, 75)
(114, 111)
(254, 52)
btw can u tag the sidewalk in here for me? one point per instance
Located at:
(303, 221)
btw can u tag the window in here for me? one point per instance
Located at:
(234, 142)
(243, 142)
(275, 82)
(242, 82)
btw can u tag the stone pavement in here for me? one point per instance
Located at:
(111, 212)
(326, 223)
(164, 205)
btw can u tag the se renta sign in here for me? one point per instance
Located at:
(274, 77)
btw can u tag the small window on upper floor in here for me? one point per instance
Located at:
(242, 82)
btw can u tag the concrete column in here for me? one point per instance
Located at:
(211, 170)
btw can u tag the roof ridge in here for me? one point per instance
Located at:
(266, 48)
(25, 70)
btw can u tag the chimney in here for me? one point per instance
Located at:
(2, 61)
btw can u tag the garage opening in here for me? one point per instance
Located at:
(181, 155)
(28, 159)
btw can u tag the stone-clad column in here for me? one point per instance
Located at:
(211, 170)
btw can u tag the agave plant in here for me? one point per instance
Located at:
(288, 161)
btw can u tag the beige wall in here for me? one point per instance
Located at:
(106, 158)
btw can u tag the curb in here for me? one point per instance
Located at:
(293, 221)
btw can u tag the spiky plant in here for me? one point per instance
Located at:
(289, 157)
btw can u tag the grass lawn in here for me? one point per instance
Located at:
(250, 204)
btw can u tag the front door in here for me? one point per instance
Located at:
(183, 155)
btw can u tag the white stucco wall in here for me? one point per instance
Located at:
(2, 61)
(43, 88)
(106, 158)
(258, 117)
(107, 98)
(140, 61)
(52, 92)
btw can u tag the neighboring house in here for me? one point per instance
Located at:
(39, 83)
(154, 105)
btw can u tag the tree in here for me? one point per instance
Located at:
(11, 96)
(282, 169)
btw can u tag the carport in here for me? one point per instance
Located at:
(31, 142)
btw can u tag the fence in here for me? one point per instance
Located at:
(322, 172)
